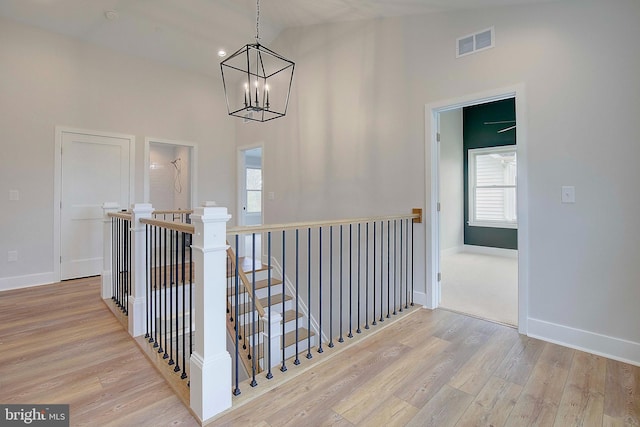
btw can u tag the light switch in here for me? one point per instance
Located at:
(14, 195)
(568, 194)
(271, 195)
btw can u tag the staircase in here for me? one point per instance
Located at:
(243, 315)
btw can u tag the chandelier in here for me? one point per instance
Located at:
(257, 81)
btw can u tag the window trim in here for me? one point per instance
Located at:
(471, 168)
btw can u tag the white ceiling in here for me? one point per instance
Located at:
(188, 33)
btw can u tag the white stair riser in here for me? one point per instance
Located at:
(247, 316)
(262, 293)
(260, 275)
(291, 324)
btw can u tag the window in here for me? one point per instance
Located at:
(254, 190)
(492, 187)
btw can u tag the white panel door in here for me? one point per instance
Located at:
(95, 170)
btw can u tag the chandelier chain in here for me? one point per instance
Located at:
(257, 21)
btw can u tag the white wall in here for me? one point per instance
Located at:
(353, 142)
(451, 181)
(48, 80)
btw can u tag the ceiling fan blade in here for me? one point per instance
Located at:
(500, 122)
(506, 129)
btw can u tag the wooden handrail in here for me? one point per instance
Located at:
(167, 212)
(121, 215)
(244, 279)
(171, 225)
(416, 216)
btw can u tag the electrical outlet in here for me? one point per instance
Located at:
(13, 256)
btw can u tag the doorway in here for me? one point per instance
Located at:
(170, 171)
(250, 198)
(438, 194)
(478, 227)
(91, 168)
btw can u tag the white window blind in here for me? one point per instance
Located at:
(492, 187)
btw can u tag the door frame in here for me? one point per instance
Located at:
(193, 166)
(57, 182)
(432, 187)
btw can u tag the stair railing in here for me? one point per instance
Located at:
(308, 286)
(119, 288)
(169, 325)
(243, 313)
(326, 282)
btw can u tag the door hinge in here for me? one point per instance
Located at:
(439, 277)
(60, 259)
(438, 136)
(438, 207)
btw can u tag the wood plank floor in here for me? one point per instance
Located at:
(439, 368)
(61, 344)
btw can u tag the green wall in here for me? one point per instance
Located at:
(478, 135)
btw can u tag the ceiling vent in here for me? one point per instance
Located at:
(476, 42)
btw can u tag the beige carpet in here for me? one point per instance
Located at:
(484, 286)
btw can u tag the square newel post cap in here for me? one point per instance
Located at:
(210, 211)
(142, 207)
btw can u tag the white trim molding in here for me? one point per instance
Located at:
(432, 115)
(420, 298)
(26, 281)
(591, 342)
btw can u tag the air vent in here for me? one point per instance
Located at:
(476, 42)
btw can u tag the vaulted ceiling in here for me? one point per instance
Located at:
(189, 33)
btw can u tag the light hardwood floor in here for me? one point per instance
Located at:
(61, 344)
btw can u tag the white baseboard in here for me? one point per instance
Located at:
(601, 345)
(420, 298)
(486, 250)
(451, 251)
(17, 282)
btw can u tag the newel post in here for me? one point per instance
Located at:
(210, 361)
(137, 308)
(107, 248)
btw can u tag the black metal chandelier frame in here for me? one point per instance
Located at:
(254, 102)
(256, 105)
